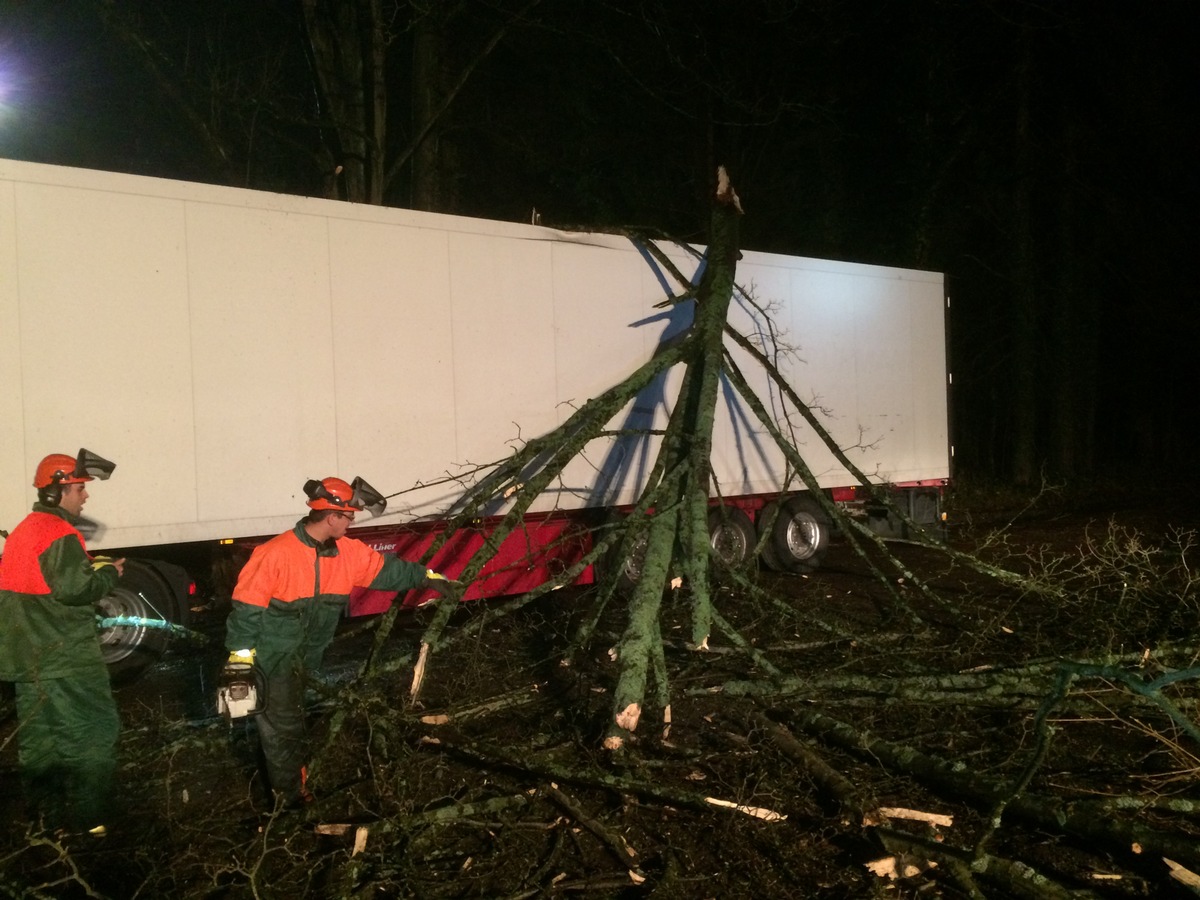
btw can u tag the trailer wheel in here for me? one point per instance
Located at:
(764, 524)
(141, 593)
(800, 535)
(731, 536)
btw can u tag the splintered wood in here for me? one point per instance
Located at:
(914, 815)
(757, 812)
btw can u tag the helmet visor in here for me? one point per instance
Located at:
(366, 497)
(90, 464)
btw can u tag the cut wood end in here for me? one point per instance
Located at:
(725, 191)
(435, 720)
(676, 583)
(636, 877)
(614, 742)
(701, 647)
(628, 717)
(360, 840)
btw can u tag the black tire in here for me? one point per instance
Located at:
(800, 535)
(767, 517)
(731, 537)
(143, 593)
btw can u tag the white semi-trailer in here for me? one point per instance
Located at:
(222, 346)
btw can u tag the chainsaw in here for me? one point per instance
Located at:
(241, 691)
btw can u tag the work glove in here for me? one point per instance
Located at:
(443, 585)
(241, 657)
(99, 562)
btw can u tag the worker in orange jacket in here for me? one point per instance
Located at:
(286, 606)
(50, 646)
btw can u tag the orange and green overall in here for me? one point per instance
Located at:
(286, 606)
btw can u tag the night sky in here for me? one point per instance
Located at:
(1041, 154)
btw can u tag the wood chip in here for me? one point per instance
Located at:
(1181, 874)
(894, 867)
(419, 672)
(335, 829)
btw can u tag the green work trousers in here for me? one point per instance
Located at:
(283, 735)
(67, 747)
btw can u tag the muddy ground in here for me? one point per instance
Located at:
(495, 786)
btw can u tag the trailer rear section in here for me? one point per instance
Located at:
(226, 345)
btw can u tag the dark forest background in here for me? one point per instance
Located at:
(1042, 154)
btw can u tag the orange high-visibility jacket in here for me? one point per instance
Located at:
(292, 592)
(48, 589)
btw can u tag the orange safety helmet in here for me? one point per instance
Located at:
(59, 468)
(336, 494)
(330, 493)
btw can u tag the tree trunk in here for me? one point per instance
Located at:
(427, 94)
(1025, 376)
(335, 35)
(1076, 325)
(686, 450)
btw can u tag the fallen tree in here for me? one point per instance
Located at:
(959, 720)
